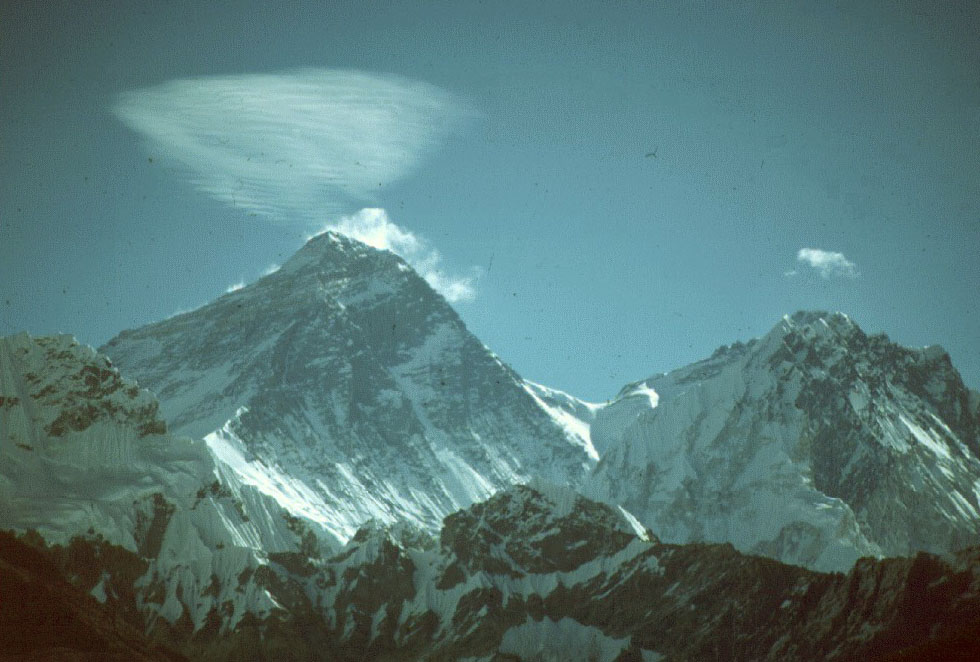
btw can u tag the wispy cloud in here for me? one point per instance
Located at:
(374, 228)
(827, 263)
(297, 146)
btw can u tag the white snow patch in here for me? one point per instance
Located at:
(475, 486)
(644, 390)
(634, 523)
(964, 507)
(927, 439)
(290, 493)
(890, 436)
(98, 591)
(859, 397)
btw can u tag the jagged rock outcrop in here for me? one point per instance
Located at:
(540, 573)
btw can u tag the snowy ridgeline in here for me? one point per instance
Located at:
(344, 388)
(815, 445)
(229, 536)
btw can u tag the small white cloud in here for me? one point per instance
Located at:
(374, 228)
(294, 146)
(791, 273)
(271, 269)
(827, 263)
(235, 287)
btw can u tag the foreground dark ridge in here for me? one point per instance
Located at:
(534, 573)
(43, 616)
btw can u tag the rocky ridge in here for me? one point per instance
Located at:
(538, 573)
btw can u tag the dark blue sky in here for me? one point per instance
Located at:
(630, 184)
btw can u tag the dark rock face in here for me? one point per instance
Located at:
(517, 533)
(43, 616)
(517, 596)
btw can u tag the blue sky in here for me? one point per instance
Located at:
(612, 189)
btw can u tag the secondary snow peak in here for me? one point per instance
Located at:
(815, 444)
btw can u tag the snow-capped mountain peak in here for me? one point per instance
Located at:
(345, 378)
(815, 444)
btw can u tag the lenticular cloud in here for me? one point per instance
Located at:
(295, 146)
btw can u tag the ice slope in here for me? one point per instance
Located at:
(85, 455)
(347, 389)
(815, 444)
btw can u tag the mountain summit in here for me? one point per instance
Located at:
(815, 444)
(345, 387)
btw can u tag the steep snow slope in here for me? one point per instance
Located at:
(571, 414)
(815, 444)
(343, 386)
(85, 456)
